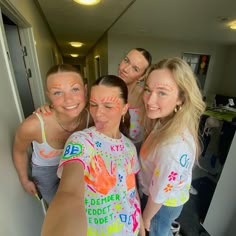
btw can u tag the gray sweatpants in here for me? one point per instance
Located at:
(46, 179)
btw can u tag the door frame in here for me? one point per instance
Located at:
(27, 38)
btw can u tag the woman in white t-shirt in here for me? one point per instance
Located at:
(97, 193)
(173, 105)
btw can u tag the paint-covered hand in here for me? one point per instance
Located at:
(29, 187)
(99, 177)
(130, 177)
(45, 109)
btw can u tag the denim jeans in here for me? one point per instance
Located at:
(46, 179)
(161, 222)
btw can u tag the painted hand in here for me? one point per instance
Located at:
(46, 109)
(130, 178)
(100, 179)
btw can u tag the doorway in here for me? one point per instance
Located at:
(17, 54)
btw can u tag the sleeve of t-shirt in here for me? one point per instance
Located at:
(168, 172)
(76, 150)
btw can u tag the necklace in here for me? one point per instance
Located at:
(68, 131)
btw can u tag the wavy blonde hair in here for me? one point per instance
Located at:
(191, 109)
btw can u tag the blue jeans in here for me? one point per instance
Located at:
(161, 222)
(45, 177)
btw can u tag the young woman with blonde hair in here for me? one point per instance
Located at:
(173, 107)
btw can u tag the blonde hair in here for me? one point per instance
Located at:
(191, 109)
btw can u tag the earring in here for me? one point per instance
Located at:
(123, 118)
(177, 108)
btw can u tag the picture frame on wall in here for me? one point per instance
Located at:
(199, 64)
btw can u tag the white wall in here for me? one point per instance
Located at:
(20, 213)
(100, 49)
(230, 73)
(220, 218)
(119, 45)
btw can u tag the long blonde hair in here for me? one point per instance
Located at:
(191, 110)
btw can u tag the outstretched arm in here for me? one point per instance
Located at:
(66, 214)
(23, 138)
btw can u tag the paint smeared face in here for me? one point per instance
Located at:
(161, 94)
(106, 109)
(132, 67)
(67, 92)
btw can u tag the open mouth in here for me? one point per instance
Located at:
(100, 125)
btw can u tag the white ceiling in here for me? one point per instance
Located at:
(165, 19)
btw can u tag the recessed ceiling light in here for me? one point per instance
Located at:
(74, 55)
(76, 44)
(232, 25)
(87, 2)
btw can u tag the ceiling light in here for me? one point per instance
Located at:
(233, 25)
(74, 55)
(87, 2)
(76, 44)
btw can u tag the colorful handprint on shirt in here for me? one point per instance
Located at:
(130, 177)
(99, 178)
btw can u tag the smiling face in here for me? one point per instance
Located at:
(106, 109)
(132, 67)
(161, 94)
(67, 93)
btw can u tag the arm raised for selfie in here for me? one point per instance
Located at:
(66, 214)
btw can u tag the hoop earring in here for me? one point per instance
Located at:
(123, 118)
(177, 108)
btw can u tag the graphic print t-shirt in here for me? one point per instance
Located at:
(110, 166)
(167, 172)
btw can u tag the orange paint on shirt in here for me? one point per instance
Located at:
(51, 154)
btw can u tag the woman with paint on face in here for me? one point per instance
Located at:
(97, 192)
(48, 134)
(173, 105)
(132, 70)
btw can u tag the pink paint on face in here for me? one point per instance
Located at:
(161, 94)
(113, 103)
(167, 86)
(106, 109)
